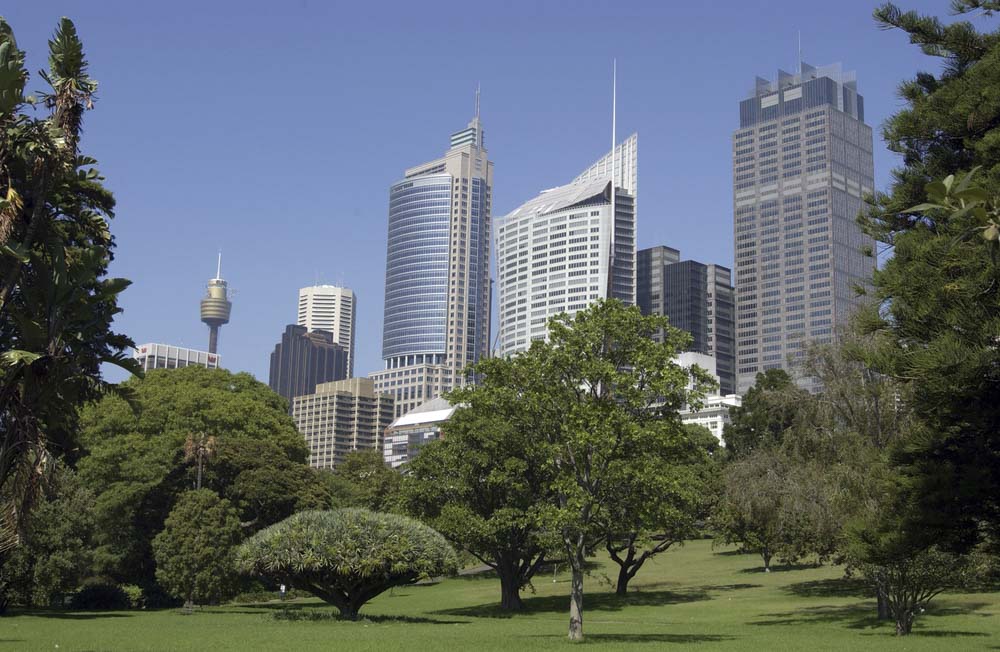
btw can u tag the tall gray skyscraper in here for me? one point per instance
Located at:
(437, 276)
(567, 248)
(802, 161)
(697, 298)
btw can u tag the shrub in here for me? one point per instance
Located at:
(99, 595)
(346, 557)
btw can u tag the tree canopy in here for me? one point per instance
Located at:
(346, 557)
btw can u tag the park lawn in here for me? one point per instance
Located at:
(692, 597)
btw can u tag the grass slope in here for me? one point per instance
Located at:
(692, 597)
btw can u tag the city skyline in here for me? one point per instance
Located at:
(685, 183)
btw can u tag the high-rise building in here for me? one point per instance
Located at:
(340, 417)
(333, 309)
(437, 277)
(164, 356)
(802, 161)
(567, 248)
(722, 325)
(697, 298)
(302, 360)
(216, 307)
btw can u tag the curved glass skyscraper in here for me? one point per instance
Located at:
(416, 271)
(437, 278)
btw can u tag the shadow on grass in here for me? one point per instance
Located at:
(647, 638)
(594, 601)
(779, 568)
(320, 613)
(861, 615)
(843, 587)
(69, 615)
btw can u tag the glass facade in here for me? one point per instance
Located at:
(416, 269)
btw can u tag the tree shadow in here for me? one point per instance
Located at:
(685, 639)
(843, 587)
(861, 615)
(69, 615)
(313, 612)
(594, 601)
(779, 568)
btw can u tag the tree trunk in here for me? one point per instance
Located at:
(621, 587)
(883, 602)
(765, 554)
(904, 622)
(576, 592)
(510, 588)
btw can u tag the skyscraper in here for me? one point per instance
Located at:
(302, 360)
(697, 298)
(332, 309)
(802, 161)
(566, 248)
(437, 277)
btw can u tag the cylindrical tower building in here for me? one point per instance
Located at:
(216, 307)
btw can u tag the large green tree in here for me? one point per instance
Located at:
(56, 301)
(136, 459)
(603, 398)
(195, 551)
(938, 295)
(487, 485)
(768, 411)
(346, 557)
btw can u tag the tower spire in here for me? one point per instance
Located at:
(477, 100)
(218, 269)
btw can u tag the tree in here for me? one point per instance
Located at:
(603, 398)
(136, 461)
(654, 506)
(768, 410)
(56, 552)
(374, 485)
(937, 301)
(56, 302)
(194, 552)
(485, 485)
(346, 557)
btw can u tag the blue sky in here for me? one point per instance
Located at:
(273, 130)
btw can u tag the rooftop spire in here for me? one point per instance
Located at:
(218, 269)
(477, 100)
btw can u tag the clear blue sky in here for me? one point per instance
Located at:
(274, 129)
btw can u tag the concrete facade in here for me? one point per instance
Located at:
(341, 417)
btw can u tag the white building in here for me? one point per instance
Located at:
(164, 356)
(332, 309)
(567, 248)
(404, 437)
(714, 413)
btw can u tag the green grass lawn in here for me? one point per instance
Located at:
(692, 597)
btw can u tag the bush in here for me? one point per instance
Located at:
(100, 595)
(346, 557)
(135, 595)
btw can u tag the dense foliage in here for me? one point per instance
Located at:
(194, 552)
(939, 294)
(347, 556)
(56, 302)
(137, 464)
(487, 486)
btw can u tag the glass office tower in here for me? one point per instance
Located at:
(437, 282)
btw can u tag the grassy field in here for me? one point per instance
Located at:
(689, 598)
